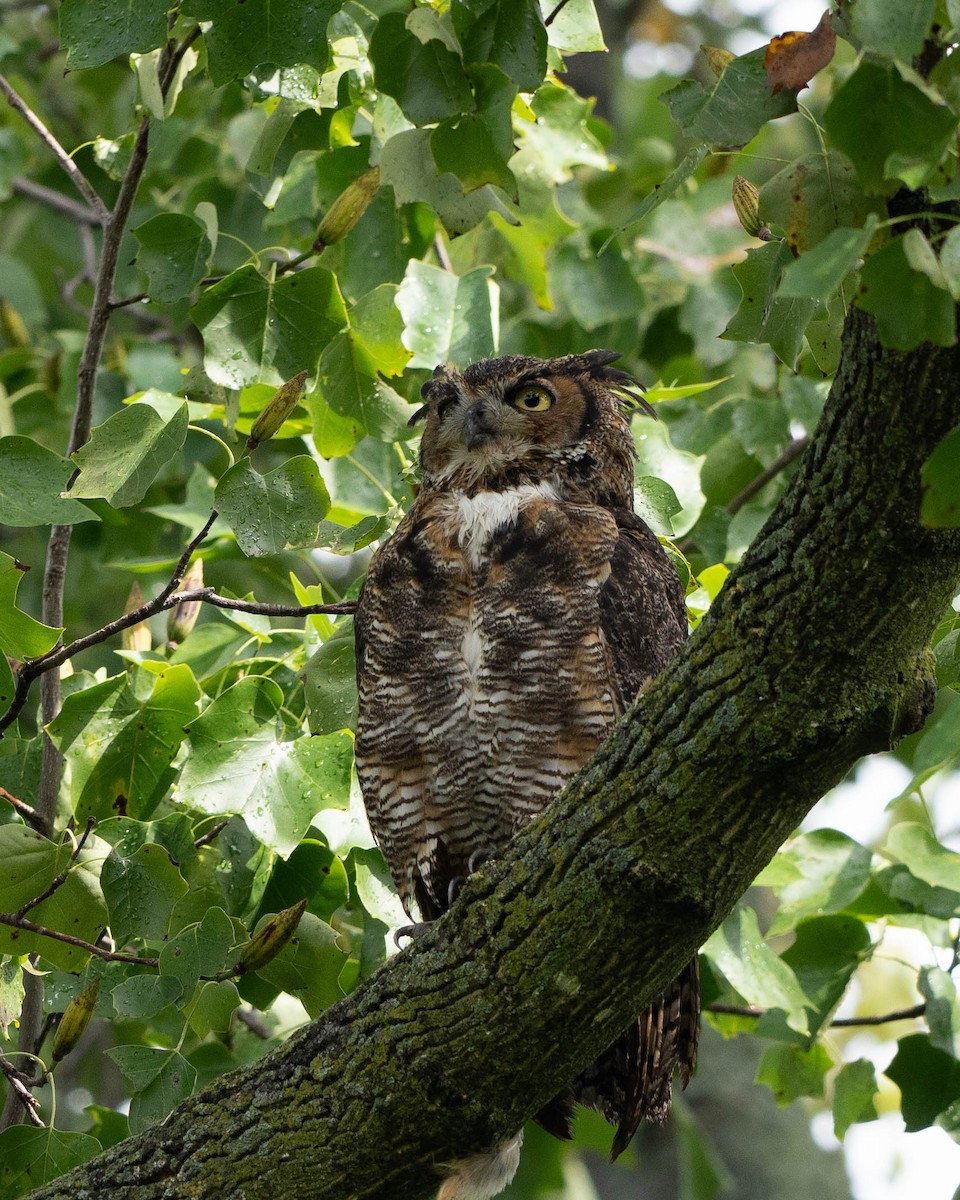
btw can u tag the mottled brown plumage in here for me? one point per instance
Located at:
(515, 613)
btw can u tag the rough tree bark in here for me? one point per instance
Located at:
(813, 655)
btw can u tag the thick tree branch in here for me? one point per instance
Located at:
(813, 655)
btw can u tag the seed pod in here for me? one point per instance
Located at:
(13, 325)
(716, 58)
(280, 405)
(75, 1020)
(135, 637)
(348, 208)
(746, 202)
(268, 941)
(183, 616)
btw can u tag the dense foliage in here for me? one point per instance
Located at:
(281, 217)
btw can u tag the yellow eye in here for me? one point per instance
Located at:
(532, 399)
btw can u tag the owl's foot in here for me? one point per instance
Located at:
(479, 857)
(410, 931)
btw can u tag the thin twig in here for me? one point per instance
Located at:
(17, 922)
(899, 1014)
(211, 834)
(30, 815)
(59, 880)
(20, 1084)
(55, 200)
(80, 180)
(556, 12)
(127, 300)
(794, 450)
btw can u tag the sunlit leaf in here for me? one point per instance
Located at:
(126, 453)
(20, 635)
(270, 512)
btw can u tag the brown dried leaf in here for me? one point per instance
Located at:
(792, 59)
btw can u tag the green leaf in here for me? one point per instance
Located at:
(703, 1175)
(943, 1009)
(829, 871)
(20, 636)
(909, 130)
(759, 975)
(95, 31)
(282, 33)
(126, 453)
(309, 966)
(824, 956)
(212, 1007)
(508, 33)
(575, 28)
(426, 79)
(236, 765)
(732, 110)
(330, 682)
(940, 477)
(922, 854)
(269, 513)
(763, 315)
(448, 318)
(464, 146)
(31, 480)
(811, 197)
(199, 949)
(11, 995)
(120, 749)
(891, 29)
(312, 870)
(143, 996)
(560, 138)
(853, 1091)
(161, 1079)
(792, 1071)
(928, 1079)
(141, 892)
(30, 1157)
(174, 253)
(656, 502)
(30, 863)
(950, 261)
(819, 272)
(348, 384)
(666, 189)
(261, 330)
(597, 291)
(407, 165)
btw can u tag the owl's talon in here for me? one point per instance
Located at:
(479, 857)
(410, 931)
(453, 888)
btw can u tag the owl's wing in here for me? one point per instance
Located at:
(644, 621)
(642, 610)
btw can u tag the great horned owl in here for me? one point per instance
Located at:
(501, 631)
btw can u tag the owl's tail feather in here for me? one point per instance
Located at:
(632, 1080)
(481, 1176)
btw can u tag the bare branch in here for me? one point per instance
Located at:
(55, 200)
(29, 814)
(794, 450)
(899, 1014)
(80, 180)
(20, 1084)
(211, 834)
(14, 921)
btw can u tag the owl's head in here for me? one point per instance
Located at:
(514, 420)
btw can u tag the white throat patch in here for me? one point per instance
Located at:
(476, 517)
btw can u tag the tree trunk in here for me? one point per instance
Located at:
(813, 655)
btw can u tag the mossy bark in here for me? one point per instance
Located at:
(813, 655)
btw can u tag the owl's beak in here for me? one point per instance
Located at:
(477, 427)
